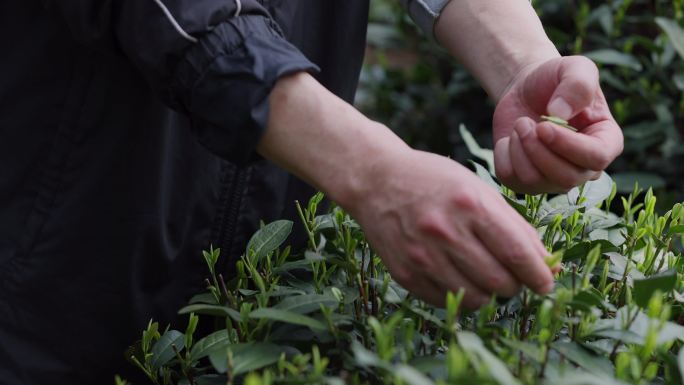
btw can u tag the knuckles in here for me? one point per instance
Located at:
(530, 178)
(420, 258)
(514, 256)
(467, 202)
(431, 224)
(567, 182)
(501, 284)
(601, 160)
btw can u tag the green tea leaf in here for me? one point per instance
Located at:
(206, 379)
(587, 299)
(476, 150)
(594, 192)
(268, 238)
(580, 250)
(411, 376)
(365, 357)
(214, 341)
(206, 298)
(532, 351)
(644, 288)
(680, 362)
(215, 310)
(571, 376)
(554, 259)
(472, 344)
(613, 57)
(304, 304)
(678, 229)
(162, 351)
(558, 121)
(592, 363)
(288, 317)
(485, 176)
(246, 357)
(674, 32)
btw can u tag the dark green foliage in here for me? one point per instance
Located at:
(332, 314)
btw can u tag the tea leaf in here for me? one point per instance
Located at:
(304, 304)
(287, 317)
(592, 363)
(554, 259)
(594, 192)
(476, 150)
(215, 341)
(215, 310)
(581, 250)
(644, 288)
(680, 362)
(207, 379)
(472, 344)
(558, 121)
(485, 176)
(611, 56)
(412, 376)
(267, 239)
(162, 351)
(674, 32)
(246, 357)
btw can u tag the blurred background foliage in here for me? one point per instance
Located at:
(411, 84)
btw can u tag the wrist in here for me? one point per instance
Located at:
(377, 151)
(495, 41)
(519, 69)
(519, 65)
(327, 142)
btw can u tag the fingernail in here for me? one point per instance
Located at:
(546, 132)
(548, 287)
(560, 108)
(523, 129)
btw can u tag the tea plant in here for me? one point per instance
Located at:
(331, 314)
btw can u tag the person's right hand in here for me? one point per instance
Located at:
(436, 225)
(439, 228)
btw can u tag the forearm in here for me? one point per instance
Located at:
(324, 140)
(494, 39)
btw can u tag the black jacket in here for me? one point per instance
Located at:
(127, 135)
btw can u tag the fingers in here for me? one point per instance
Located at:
(509, 172)
(527, 164)
(428, 291)
(515, 247)
(563, 174)
(502, 161)
(451, 279)
(593, 148)
(429, 274)
(529, 176)
(578, 82)
(464, 260)
(484, 270)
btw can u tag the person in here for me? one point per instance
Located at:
(135, 133)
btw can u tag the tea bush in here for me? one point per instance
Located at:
(416, 88)
(331, 314)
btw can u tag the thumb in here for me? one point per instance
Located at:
(577, 87)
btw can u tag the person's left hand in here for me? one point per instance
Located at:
(534, 156)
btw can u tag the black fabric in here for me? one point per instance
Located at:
(126, 149)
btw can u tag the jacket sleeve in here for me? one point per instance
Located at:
(425, 13)
(214, 60)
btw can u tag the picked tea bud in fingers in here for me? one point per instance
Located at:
(558, 121)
